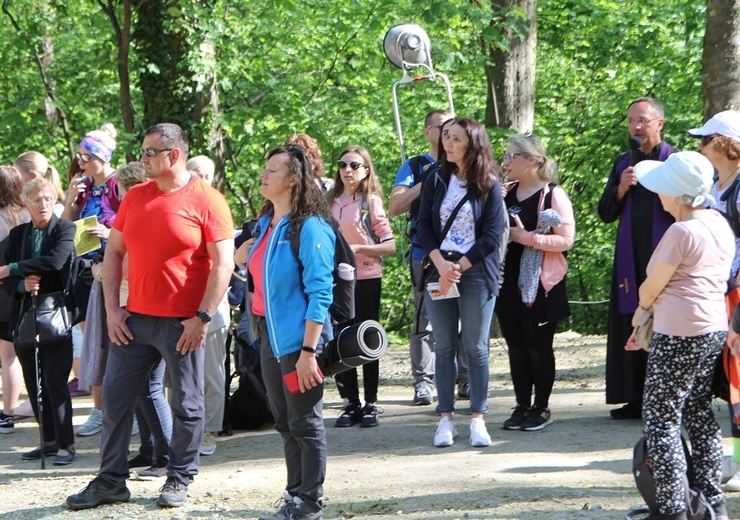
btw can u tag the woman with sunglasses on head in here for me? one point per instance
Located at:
(290, 300)
(533, 294)
(460, 224)
(92, 192)
(356, 202)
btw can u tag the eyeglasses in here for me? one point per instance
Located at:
(706, 139)
(354, 165)
(42, 201)
(151, 152)
(508, 157)
(83, 157)
(641, 121)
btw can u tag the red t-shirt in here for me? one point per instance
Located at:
(256, 264)
(165, 236)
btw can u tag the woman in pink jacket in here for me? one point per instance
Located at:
(356, 201)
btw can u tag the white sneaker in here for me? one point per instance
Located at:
(479, 437)
(23, 410)
(729, 468)
(208, 443)
(93, 425)
(734, 483)
(445, 434)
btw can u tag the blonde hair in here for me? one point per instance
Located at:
(531, 146)
(37, 165)
(203, 166)
(34, 186)
(130, 175)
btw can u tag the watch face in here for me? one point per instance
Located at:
(203, 316)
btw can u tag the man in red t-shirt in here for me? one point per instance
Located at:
(178, 234)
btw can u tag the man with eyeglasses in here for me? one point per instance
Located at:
(642, 222)
(405, 198)
(178, 235)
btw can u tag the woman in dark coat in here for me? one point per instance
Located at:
(38, 259)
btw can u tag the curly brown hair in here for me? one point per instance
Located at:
(727, 146)
(311, 148)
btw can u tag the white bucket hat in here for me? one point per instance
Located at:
(683, 173)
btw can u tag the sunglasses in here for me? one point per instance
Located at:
(706, 139)
(83, 158)
(354, 165)
(151, 152)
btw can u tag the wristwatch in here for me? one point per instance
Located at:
(203, 316)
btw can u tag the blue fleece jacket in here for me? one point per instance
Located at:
(288, 302)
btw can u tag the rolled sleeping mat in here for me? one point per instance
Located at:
(353, 347)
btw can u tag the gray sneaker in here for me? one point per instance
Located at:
(151, 473)
(305, 511)
(172, 494)
(98, 492)
(285, 512)
(422, 393)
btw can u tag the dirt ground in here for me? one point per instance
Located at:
(577, 468)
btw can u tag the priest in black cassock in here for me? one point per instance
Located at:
(642, 223)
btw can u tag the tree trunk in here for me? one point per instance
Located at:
(511, 74)
(721, 57)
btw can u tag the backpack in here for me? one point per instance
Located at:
(420, 166)
(247, 408)
(730, 199)
(696, 503)
(342, 309)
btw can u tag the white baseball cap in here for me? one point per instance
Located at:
(683, 173)
(725, 123)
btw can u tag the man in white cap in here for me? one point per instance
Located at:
(685, 289)
(642, 223)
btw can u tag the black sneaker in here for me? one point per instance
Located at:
(173, 493)
(517, 417)
(98, 492)
(463, 390)
(369, 416)
(351, 415)
(140, 461)
(7, 425)
(537, 419)
(305, 511)
(151, 473)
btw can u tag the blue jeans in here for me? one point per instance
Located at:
(474, 310)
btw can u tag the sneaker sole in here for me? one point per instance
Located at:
(114, 499)
(422, 402)
(511, 427)
(207, 453)
(483, 444)
(538, 427)
(166, 502)
(7, 431)
(88, 434)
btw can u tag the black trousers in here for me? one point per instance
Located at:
(367, 307)
(56, 364)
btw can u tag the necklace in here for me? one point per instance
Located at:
(720, 185)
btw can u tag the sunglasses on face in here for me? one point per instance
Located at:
(706, 139)
(354, 165)
(83, 158)
(151, 152)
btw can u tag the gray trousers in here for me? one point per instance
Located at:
(126, 375)
(299, 420)
(421, 342)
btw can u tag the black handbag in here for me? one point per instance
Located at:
(428, 270)
(53, 321)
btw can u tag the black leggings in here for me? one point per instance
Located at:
(531, 359)
(367, 307)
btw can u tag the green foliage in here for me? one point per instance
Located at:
(318, 66)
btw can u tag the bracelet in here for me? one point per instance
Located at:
(306, 348)
(459, 266)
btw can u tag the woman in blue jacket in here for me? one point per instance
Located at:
(290, 302)
(460, 224)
